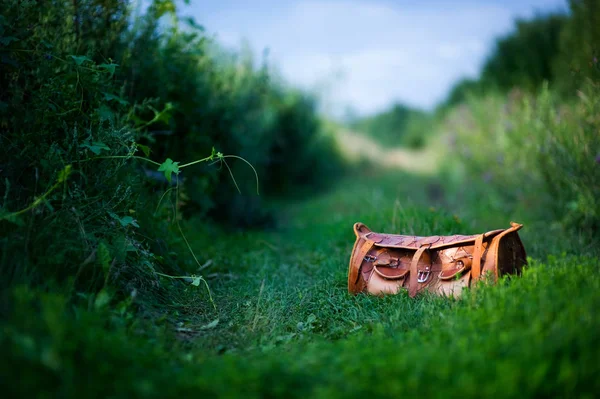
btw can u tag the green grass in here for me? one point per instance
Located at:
(287, 327)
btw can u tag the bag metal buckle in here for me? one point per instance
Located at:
(423, 275)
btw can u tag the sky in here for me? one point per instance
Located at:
(365, 55)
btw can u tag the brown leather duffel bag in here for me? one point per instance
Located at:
(386, 263)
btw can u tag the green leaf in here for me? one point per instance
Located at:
(165, 114)
(163, 7)
(196, 281)
(110, 68)
(80, 59)
(145, 149)
(104, 112)
(125, 220)
(103, 256)
(169, 167)
(112, 97)
(63, 175)
(96, 146)
(191, 22)
(128, 220)
(102, 299)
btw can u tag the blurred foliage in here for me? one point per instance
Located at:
(525, 57)
(399, 126)
(460, 93)
(534, 148)
(86, 88)
(225, 100)
(536, 155)
(580, 47)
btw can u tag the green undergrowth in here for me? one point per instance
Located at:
(284, 324)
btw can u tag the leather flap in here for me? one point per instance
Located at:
(456, 268)
(390, 273)
(415, 242)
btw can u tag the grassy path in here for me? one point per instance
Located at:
(285, 326)
(286, 319)
(356, 146)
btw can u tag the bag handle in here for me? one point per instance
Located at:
(360, 256)
(413, 282)
(477, 253)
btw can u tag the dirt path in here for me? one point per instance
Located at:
(356, 146)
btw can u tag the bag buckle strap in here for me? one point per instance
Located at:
(418, 276)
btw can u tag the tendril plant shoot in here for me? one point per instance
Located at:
(169, 168)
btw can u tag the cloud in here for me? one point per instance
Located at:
(372, 53)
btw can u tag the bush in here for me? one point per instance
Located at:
(532, 156)
(524, 58)
(225, 100)
(84, 93)
(580, 48)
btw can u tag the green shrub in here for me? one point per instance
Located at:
(525, 57)
(533, 157)
(225, 100)
(580, 48)
(85, 92)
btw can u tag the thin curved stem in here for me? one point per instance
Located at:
(122, 157)
(249, 164)
(195, 162)
(232, 178)
(161, 198)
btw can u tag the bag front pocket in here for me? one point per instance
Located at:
(386, 280)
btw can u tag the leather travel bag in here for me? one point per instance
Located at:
(387, 263)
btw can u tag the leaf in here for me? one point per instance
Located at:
(128, 220)
(112, 97)
(145, 149)
(63, 175)
(104, 113)
(102, 299)
(96, 146)
(103, 256)
(125, 220)
(80, 59)
(110, 68)
(168, 168)
(163, 7)
(196, 281)
(192, 23)
(210, 325)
